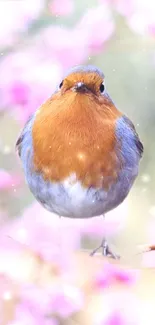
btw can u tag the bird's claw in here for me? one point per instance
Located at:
(106, 251)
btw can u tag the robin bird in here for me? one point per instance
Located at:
(80, 154)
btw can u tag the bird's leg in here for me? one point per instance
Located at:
(106, 251)
(95, 250)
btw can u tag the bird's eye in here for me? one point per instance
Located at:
(102, 87)
(61, 84)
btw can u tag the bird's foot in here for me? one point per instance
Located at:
(106, 251)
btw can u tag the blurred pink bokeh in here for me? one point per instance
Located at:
(15, 18)
(61, 7)
(36, 48)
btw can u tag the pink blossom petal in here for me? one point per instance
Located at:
(19, 93)
(5, 285)
(124, 7)
(19, 15)
(61, 7)
(63, 300)
(43, 233)
(26, 316)
(115, 319)
(8, 181)
(102, 280)
(97, 26)
(119, 309)
(70, 46)
(28, 81)
(125, 276)
(66, 300)
(111, 273)
(139, 15)
(143, 23)
(35, 299)
(54, 238)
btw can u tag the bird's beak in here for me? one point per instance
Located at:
(80, 87)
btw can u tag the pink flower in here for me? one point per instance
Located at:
(25, 316)
(142, 20)
(118, 308)
(5, 287)
(70, 46)
(115, 319)
(27, 81)
(15, 17)
(8, 181)
(44, 233)
(124, 7)
(111, 273)
(124, 276)
(66, 300)
(53, 238)
(61, 7)
(36, 299)
(28, 78)
(63, 300)
(20, 93)
(97, 26)
(139, 14)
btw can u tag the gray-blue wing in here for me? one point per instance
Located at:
(26, 129)
(138, 143)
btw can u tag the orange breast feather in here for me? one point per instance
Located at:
(75, 134)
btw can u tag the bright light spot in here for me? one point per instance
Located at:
(69, 143)
(137, 124)
(37, 112)
(6, 150)
(81, 156)
(98, 147)
(145, 178)
(46, 170)
(152, 211)
(144, 190)
(7, 295)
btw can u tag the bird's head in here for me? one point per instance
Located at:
(84, 80)
(81, 92)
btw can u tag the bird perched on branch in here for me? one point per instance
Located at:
(80, 154)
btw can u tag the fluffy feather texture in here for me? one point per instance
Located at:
(80, 154)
